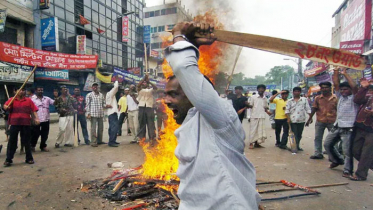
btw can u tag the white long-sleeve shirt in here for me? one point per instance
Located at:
(213, 170)
(112, 100)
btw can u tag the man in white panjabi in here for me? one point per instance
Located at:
(259, 106)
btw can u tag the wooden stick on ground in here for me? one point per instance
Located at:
(23, 85)
(292, 48)
(291, 189)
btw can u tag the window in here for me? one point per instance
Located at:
(102, 9)
(70, 28)
(170, 27)
(60, 13)
(156, 13)
(163, 12)
(70, 17)
(60, 3)
(151, 14)
(154, 29)
(147, 14)
(95, 5)
(174, 10)
(160, 28)
(168, 11)
(87, 3)
(94, 17)
(87, 13)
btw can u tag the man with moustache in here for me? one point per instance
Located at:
(213, 170)
(65, 107)
(325, 107)
(42, 130)
(95, 104)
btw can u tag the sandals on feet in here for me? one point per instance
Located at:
(356, 178)
(251, 146)
(29, 162)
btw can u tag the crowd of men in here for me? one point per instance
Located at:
(28, 115)
(347, 115)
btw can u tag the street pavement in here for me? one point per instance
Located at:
(53, 182)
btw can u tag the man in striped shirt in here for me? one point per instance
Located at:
(20, 112)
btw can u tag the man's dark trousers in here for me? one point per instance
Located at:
(146, 118)
(83, 124)
(283, 123)
(113, 128)
(122, 117)
(25, 131)
(297, 129)
(41, 130)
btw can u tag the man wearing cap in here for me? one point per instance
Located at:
(112, 112)
(20, 112)
(65, 107)
(95, 104)
(122, 106)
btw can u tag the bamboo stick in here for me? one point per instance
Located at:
(6, 91)
(23, 85)
(234, 67)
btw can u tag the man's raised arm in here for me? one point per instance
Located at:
(183, 57)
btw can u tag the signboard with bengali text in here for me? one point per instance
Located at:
(44, 59)
(10, 72)
(58, 75)
(49, 34)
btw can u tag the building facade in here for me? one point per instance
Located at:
(162, 19)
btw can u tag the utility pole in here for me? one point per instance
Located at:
(300, 73)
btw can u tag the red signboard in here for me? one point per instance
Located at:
(135, 70)
(45, 59)
(356, 24)
(353, 46)
(125, 29)
(316, 69)
(154, 53)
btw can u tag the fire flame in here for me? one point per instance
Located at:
(160, 160)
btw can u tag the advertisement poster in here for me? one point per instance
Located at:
(2, 20)
(81, 44)
(147, 34)
(90, 80)
(368, 73)
(15, 73)
(356, 25)
(45, 59)
(315, 69)
(154, 54)
(325, 77)
(49, 34)
(125, 29)
(59, 75)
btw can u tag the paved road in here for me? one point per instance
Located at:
(54, 180)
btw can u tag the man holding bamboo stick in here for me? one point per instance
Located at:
(213, 170)
(20, 113)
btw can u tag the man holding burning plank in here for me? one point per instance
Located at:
(213, 170)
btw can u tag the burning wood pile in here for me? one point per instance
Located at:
(128, 187)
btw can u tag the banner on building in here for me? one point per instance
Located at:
(356, 25)
(315, 69)
(58, 75)
(45, 59)
(132, 78)
(2, 20)
(49, 34)
(10, 72)
(147, 34)
(125, 29)
(24, 3)
(89, 82)
(252, 87)
(44, 4)
(136, 70)
(368, 73)
(81, 44)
